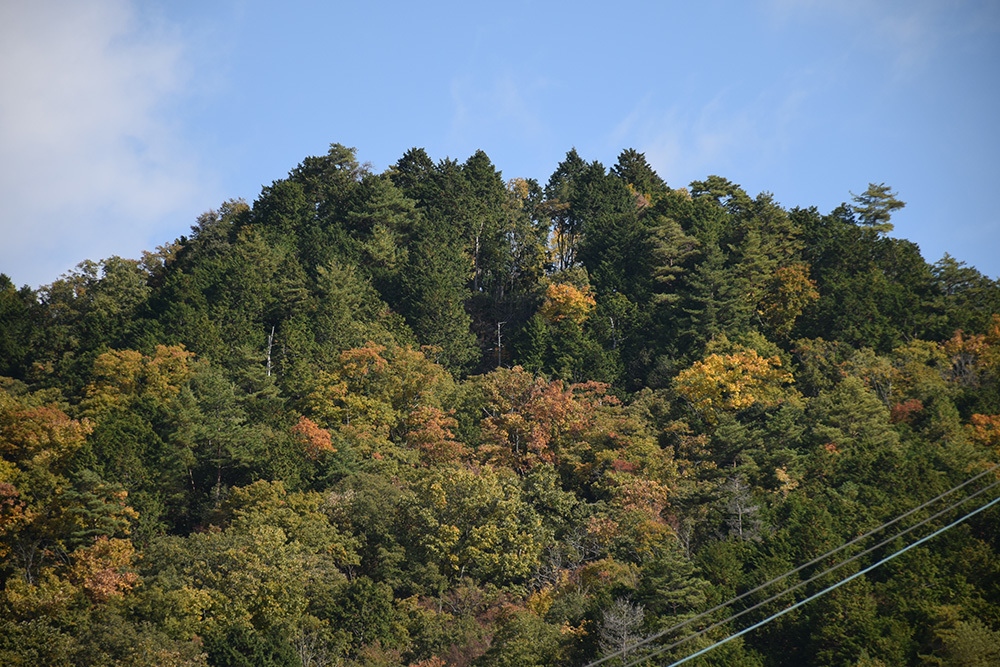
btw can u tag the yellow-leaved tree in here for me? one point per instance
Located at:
(123, 376)
(733, 382)
(567, 302)
(787, 293)
(374, 395)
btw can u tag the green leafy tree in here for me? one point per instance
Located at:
(62, 527)
(486, 195)
(962, 642)
(251, 584)
(525, 640)
(477, 523)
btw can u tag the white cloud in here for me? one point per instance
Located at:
(90, 164)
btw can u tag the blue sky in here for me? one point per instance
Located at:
(121, 122)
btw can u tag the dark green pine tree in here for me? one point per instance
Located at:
(613, 237)
(672, 253)
(414, 174)
(669, 587)
(127, 450)
(875, 206)
(282, 215)
(853, 420)
(18, 310)
(380, 220)
(434, 282)
(531, 346)
(722, 192)
(329, 180)
(875, 291)
(633, 169)
(484, 218)
(781, 235)
(967, 298)
(434, 301)
(566, 224)
(712, 304)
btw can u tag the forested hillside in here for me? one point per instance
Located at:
(433, 417)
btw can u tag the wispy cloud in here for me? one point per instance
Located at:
(501, 105)
(685, 143)
(87, 150)
(909, 34)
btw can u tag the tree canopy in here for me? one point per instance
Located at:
(433, 416)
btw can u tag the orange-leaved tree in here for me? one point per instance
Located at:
(55, 519)
(315, 439)
(974, 356)
(103, 570)
(985, 430)
(432, 433)
(530, 420)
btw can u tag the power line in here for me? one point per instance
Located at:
(822, 574)
(825, 572)
(820, 593)
(829, 553)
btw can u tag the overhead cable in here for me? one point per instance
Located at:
(825, 572)
(820, 593)
(815, 560)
